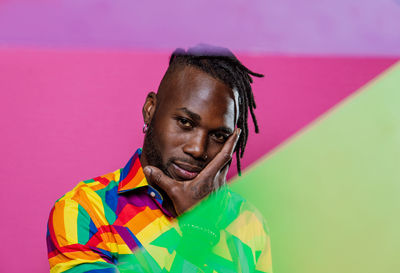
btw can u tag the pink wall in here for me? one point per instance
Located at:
(72, 115)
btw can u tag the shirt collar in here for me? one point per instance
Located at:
(132, 176)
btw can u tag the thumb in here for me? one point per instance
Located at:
(156, 177)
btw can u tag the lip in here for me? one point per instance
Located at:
(187, 166)
(185, 171)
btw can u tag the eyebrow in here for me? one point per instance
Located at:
(225, 130)
(197, 118)
(192, 115)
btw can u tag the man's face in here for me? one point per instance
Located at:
(195, 114)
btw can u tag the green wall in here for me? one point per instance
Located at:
(331, 194)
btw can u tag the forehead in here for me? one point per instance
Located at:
(191, 88)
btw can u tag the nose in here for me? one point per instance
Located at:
(196, 146)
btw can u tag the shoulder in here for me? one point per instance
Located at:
(244, 209)
(91, 187)
(96, 198)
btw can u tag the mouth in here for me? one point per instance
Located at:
(185, 171)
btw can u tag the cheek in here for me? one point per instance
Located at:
(214, 149)
(171, 138)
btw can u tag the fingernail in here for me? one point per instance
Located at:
(146, 170)
(239, 131)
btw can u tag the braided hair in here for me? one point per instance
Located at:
(222, 64)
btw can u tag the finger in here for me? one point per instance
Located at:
(223, 157)
(156, 177)
(221, 177)
(223, 174)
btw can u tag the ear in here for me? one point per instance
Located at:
(149, 107)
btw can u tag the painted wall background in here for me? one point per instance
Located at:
(331, 192)
(345, 27)
(73, 77)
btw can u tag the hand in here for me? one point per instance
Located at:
(185, 194)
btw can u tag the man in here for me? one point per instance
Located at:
(126, 221)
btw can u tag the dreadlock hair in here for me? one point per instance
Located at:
(222, 64)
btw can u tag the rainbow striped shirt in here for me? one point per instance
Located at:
(116, 223)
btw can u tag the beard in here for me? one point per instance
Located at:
(154, 158)
(152, 151)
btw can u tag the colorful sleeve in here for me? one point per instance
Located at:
(253, 242)
(248, 238)
(73, 241)
(264, 262)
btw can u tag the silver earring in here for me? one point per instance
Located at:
(145, 128)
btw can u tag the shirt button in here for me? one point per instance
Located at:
(152, 194)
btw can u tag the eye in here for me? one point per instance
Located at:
(184, 123)
(219, 137)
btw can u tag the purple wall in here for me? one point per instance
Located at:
(342, 27)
